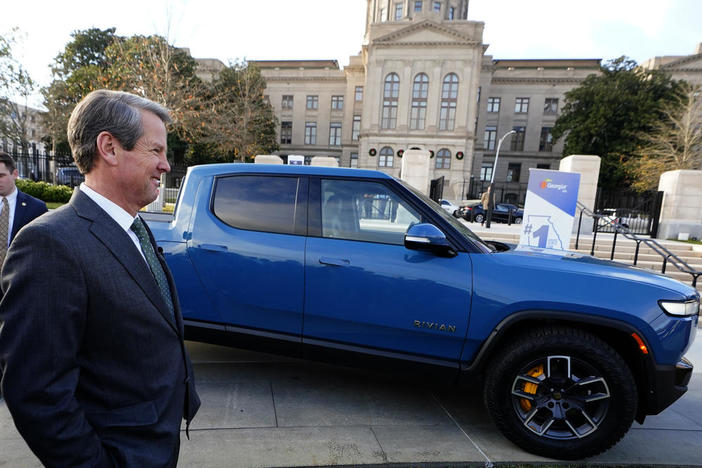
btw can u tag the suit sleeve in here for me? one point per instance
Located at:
(44, 313)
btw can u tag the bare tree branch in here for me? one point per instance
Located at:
(674, 143)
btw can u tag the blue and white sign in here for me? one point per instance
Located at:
(549, 209)
(296, 159)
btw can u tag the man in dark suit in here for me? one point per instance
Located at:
(16, 207)
(96, 371)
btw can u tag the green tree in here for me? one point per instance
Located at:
(16, 87)
(243, 124)
(150, 67)
(86, 49)
(77, 71)
(608, 114)
(5, 54)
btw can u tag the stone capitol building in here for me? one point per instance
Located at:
(423, 80)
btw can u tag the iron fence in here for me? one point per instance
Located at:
(41, 166)
(637, 211)
(620, 229)
(60, 169)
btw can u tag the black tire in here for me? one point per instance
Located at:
(517, 220)
(479, 218)
(555, 420)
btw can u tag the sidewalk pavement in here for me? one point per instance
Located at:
(265, 411)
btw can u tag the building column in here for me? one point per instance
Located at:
(416, 167)
(681, 211)
(589, 169)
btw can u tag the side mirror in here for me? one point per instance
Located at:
(428, 237)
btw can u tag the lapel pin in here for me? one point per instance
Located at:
(24, 203)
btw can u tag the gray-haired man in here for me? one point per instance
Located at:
(96, 372)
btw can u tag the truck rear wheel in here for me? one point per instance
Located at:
(561, 393)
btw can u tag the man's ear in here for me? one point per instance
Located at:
(15, 174)
(107, 145)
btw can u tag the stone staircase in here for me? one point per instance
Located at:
(624, 252)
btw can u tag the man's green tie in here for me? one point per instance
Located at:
(154, 264)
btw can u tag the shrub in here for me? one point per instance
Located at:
(45, 191)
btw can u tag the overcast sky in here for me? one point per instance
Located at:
(333, 29)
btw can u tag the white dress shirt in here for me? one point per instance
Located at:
(115, 212)
(12, 202)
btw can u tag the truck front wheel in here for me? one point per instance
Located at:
(561, 393)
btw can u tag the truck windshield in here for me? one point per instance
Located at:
(462, 228)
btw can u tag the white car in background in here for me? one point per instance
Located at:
(448, 206)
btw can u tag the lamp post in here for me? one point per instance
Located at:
(491, 195)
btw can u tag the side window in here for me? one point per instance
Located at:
(364, 211)
(257, 203)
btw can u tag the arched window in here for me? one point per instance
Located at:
(385, 158)
(420, 90)
(443, 159)
(449, 96)
(390, 93)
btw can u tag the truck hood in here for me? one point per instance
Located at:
(574, 262)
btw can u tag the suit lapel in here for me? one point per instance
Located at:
(123, 249)
(20, 214)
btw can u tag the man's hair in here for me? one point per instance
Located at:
(8, 161)
(116, 112)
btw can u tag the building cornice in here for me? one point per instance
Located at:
(395, 37)
(676, 63)
(444, 137)
(387, 45)
(681, 70)
(545, 80)
(305, 78)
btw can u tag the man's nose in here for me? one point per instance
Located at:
(163, 164)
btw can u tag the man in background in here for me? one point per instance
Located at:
(485, 201)
(16, 207)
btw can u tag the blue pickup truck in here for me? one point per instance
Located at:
(354, 266)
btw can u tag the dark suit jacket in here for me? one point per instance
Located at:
(26, 209)
(96, 372)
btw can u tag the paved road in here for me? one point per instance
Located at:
(261, 411)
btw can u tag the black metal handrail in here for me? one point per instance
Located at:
(667, 255)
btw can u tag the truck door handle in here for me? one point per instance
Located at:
(334, 261)
(214, 247)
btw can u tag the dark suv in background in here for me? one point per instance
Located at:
(69, 175)
(502, 213)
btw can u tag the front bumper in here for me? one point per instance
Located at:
(669, 383)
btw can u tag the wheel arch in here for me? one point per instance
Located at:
(614, 332)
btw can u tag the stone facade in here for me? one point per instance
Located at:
(422, 81)
(525, 95)
(35, 129)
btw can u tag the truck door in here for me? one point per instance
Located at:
(365, 290)
(248, 248)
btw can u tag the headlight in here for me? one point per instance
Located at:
(681, 309)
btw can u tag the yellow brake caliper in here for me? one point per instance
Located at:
(531, 387)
